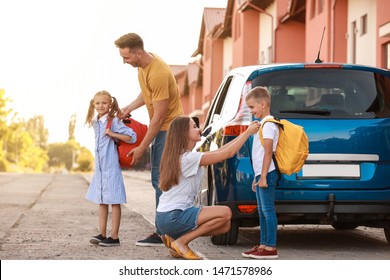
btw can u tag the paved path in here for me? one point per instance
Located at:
(46, 216)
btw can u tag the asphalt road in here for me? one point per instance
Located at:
(295, 242)
(46, 217)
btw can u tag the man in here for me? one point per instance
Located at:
(160, 94)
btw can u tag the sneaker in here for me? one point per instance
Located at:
(109, 242)
(247, 253)
(151, 241)
(96, 239)
(264, 254)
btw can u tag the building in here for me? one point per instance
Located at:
(271, 31)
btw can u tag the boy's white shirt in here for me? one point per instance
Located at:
(270, 131)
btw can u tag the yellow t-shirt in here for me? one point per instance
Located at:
(157, 83)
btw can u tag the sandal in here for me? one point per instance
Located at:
(189, 255)
(167, 240)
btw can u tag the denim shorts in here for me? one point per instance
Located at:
(175, 223)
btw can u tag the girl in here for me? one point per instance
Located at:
(107, 185)
(177, 219)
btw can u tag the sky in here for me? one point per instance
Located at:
(55, 55)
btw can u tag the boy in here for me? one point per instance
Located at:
(266, 176)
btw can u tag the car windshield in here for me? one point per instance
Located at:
(327, 93)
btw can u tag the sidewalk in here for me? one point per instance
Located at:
(46, 216)
(139, 200)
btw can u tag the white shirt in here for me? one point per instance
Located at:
(270, 131)
(183, 195)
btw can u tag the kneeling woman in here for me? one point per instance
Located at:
(178, 221)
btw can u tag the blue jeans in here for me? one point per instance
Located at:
(266, 207)
(155, 159)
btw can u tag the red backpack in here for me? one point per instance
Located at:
(124, 148)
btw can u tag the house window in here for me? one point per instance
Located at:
(320, 6)
(363, 25)
(270, 54)
(313, 8)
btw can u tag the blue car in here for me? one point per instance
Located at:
(345, 111)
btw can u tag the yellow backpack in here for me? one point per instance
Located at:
(292, 148)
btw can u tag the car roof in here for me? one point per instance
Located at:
(252, 71)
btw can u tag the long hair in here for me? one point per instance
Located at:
(175, 145)
(114, 111)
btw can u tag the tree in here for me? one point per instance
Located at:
(72, 126)
(35, 126)
(85, 160)
(60, 155)
(70, 154)
(21, 150)
(4, 112)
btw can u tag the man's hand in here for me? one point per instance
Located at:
(126, 110)
(137, 154)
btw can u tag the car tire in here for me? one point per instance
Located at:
(387, 233)
(344, 226)
(229, 238)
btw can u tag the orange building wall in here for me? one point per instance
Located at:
(185, 102)
(245, 38)
(340, 30)
(290, 37)
(212, 68)
(334, 44)
(290, 42)
(314, 29)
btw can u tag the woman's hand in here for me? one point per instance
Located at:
(253, 127)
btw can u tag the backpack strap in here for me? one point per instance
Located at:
(109, 123)
(274, 120)
(281, 126)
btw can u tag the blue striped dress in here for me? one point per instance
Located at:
(107, 185)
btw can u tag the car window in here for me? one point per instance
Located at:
(231, 102)
(217, 104)
(327, 93)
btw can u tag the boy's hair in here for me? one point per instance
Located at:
(131, 41)
(259, 93)
(114, 109)
(177, 137)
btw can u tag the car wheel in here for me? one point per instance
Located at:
(387, 233)
(344, 226)
(229, 238)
